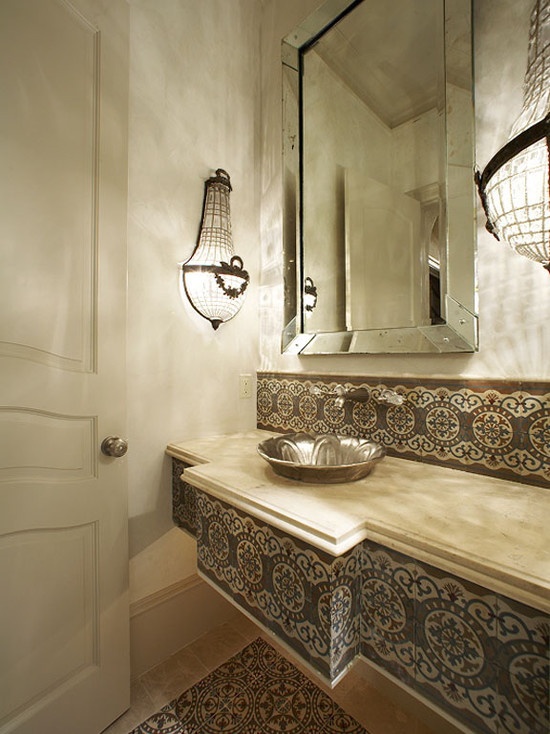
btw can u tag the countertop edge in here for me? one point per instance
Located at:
(531, 591)
(446, 559)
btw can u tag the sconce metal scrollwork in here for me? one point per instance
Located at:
(310, 294)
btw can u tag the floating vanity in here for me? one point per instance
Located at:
(438, 577)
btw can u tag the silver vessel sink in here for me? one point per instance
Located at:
(323, 458)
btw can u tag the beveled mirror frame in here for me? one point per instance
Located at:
(459, 332)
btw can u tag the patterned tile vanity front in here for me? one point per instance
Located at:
(387, 611)
(455, 641)
(477, 655)
(307, 598)
(184, 500)
(480, 656)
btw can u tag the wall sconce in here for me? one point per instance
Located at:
(214, 277)
(310, 294)
(514, 187)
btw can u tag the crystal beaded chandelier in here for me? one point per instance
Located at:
(514, 187)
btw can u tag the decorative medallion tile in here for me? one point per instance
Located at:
(163, 722)
(387, 610)
(536, 434)
(523, 662)
(501, 428)
(456, 628)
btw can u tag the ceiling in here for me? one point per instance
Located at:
(391, 54)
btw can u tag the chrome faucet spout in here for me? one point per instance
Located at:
(385, 395)
(360, 395)
(391, 397)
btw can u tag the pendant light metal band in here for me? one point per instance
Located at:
(522, 141)
(233, 268)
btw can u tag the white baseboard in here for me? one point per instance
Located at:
(164, 622)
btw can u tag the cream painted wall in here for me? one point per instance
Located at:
(514, 294)
(194, 107)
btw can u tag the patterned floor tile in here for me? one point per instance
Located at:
(257, 691)
(163, 722)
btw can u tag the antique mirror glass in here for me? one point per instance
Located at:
(379, 197)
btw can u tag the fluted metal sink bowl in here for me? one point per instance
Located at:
(322, 458)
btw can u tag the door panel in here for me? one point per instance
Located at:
(64, 662)
(46, 447)
(50, 202)
(50, 573)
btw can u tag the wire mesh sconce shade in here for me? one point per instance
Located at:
(514, 187)
(214, 277)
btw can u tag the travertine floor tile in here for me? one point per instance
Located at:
(217, 646)
(141, 706)
(167, 680)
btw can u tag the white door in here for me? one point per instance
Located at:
(64, 663)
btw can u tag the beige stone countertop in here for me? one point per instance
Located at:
(490, 531)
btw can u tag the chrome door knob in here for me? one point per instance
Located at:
(114, 446)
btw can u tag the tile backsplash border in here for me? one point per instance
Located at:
(500, 428)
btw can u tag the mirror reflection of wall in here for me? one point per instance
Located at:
(373, 111)
(379, 195)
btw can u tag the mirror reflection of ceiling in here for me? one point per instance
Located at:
(370, 50)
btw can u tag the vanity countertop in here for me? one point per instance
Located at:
(491, 531)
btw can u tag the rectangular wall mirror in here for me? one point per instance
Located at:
(379, 195)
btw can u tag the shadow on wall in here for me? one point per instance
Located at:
(148, 527)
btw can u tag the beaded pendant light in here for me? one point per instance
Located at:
(214, 277)
(514, 187)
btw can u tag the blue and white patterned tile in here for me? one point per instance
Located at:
(335, 606)
(387, 610)
(523, 662)
(307, 597)
(184, 512)
(455, 624)
(520, 709)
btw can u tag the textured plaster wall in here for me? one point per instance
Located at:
(196, 86)
(514, 294)
(194, 107)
